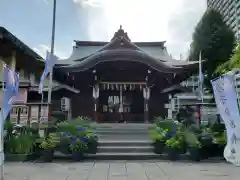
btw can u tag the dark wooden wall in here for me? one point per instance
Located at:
(156, 105)
(83, 104)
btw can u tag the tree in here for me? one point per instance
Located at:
(215, 40)
(234, 62)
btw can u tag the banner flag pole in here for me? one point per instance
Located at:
(52, 52)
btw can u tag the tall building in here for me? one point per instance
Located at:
(230, 10)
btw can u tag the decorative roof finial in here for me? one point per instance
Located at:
(120, 33)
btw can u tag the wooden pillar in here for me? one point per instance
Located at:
(69, 115)
(121, 104)
(95, 97)
(146, 96)
(29, 114)
(170, 107)
(198, 115)
(49, 106)
(39, 113)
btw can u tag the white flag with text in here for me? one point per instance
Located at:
(226, 100)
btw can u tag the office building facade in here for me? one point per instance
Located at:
(230, 10)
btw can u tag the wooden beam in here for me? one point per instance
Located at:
(120, 83)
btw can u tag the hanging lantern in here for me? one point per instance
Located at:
(146, 93)
(96, 91)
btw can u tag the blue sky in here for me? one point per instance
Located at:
(144, 20)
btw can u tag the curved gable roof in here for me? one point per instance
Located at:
(126, 55)
(121, 48)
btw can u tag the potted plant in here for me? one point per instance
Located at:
(158, 135)
(78, 148)
(180, 136)
(47, 146)
(92, 143)
(220, 139)
(174, 146)
(64, 143)
(193, 144)
(208, 147)
(20, 147)
(195, 151)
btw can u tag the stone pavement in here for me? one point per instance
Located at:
(120, 170)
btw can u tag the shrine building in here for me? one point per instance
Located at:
(121, 80)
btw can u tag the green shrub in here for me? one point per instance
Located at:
(220, 138)
(50, 141)
(158, 134)
(192, 139)
(76, 134)
(20, 144)
(165, 124)
(174, 143)
(77, 144)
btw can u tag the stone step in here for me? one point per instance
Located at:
(121, 129)
(123, 137)
(121, 125)
(124, 156)
(122, 132)
(131, 156)
(123, 143)
(125, 149)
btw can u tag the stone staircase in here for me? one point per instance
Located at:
(123, 142)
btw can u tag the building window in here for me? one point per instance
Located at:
(24, 110)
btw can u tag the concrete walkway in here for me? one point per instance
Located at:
(119, 170)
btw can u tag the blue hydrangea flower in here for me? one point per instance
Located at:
(165, 134)
(68, 134)
(63, 133)
(73, 141)
(79, 128)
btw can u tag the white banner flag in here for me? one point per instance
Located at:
(226, 100)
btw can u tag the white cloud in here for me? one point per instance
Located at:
(86, 3)
(144, 20)
(42, 51)
(182, 23)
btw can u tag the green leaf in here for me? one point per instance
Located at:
(216, 41)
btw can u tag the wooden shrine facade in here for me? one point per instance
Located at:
(121, 81)
(27, 106)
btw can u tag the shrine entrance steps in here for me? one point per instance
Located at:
(123, 142)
